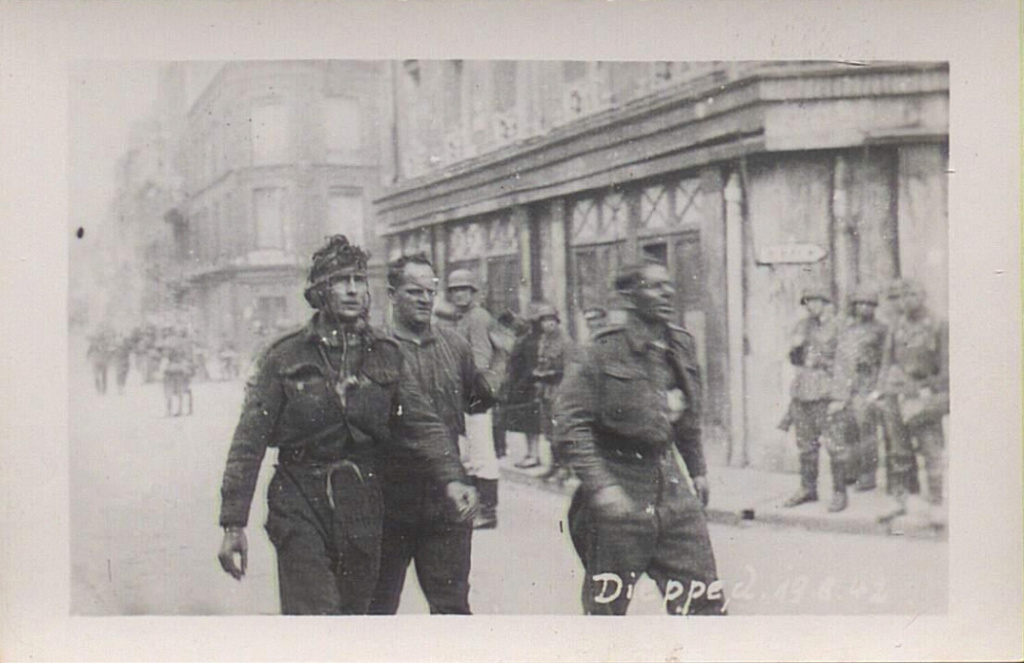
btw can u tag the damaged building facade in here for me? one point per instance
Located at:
(749, 181)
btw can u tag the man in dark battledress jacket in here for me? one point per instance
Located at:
(628, 399)
(331, 397)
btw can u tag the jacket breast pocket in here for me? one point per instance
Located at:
(623, 393)
(308, 391)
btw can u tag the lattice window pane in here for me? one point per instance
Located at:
(654, 208)
(614, 216)
(585, 222)
(688, 200)
(502, 238)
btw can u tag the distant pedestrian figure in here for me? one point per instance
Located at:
(178, 375)
(99, 354)
(122, 362)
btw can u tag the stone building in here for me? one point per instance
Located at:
(748, 180)
(276, 156)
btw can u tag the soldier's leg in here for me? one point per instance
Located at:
(809, 418)
(840, 434)
(901, 460)
(683, 564)
(397, 545)
(867, 420)
(305, 570)
(357, 522)
(442, 556)
(615, 554)
(483, 467)
(932, 447)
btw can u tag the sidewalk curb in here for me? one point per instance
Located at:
(771, 514)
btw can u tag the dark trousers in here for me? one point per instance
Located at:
(441, 551)
(668, 542)
(327, 558)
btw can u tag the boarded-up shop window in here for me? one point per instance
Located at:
(270, 214)
(268, 129)
(345, 214)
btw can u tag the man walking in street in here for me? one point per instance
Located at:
(633, 394)
(423, 521)
(813, 352)
(331, 397)
(915, 373)
(853, 414)
(479, 329)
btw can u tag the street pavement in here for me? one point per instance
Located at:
(144, 534)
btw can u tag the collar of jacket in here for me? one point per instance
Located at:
(640, 339)
(318, 331)
(406, 337)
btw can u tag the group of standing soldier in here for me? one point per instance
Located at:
(369, 422)
(862, 385)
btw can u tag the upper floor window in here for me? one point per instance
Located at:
(269, 206)
(269, 132)
(345, 214)
(344, 124)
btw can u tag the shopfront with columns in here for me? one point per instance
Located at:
(746, 191)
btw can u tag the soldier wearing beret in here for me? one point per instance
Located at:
(330, 397)
(626, 405)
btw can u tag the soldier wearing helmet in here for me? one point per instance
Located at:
(331, 397)
(490, 354)
(915, 381)
(854, 416)
(813, 352)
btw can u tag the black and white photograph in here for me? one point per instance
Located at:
(378, 336)
(703, 303)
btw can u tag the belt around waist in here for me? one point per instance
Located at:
(315, 457)
(633, 452)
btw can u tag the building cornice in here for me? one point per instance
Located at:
(710, 118)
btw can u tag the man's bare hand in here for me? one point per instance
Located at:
(464, 500)
(234, 543)
(612, 502)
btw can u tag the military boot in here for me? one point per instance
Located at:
(898, 486)
(935, 489)
(808, 481)
(487, 517)
(839, 481)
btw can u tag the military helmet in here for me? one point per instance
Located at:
(462, 278)
(815, 292)
(863, 294)
(541, 310)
